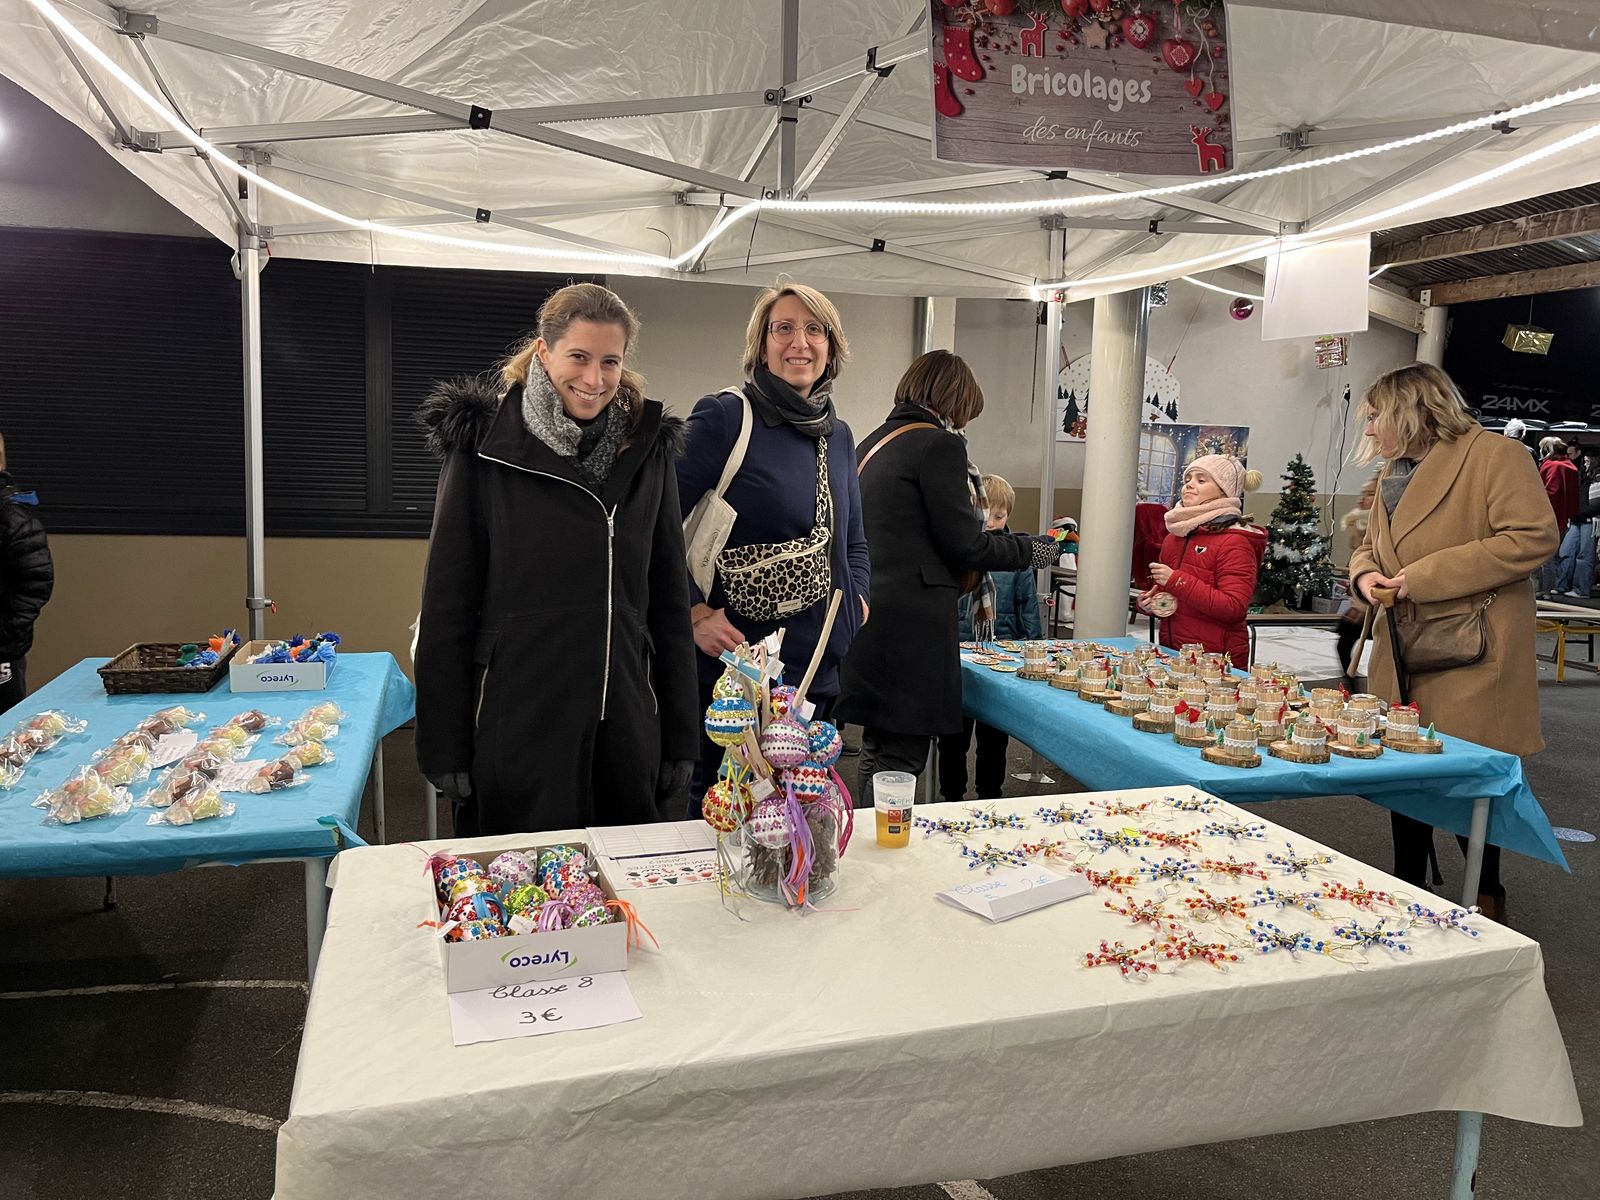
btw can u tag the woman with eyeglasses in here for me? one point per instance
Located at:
(798, 534)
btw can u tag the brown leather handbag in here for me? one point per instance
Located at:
(970, 580)
(1443, 641)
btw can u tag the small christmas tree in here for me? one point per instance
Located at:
(1296, 563)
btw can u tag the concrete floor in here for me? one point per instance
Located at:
(165, 1091)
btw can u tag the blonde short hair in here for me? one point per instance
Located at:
(999, 493)
(1418, 404)
(1551, 445)
(818, 305)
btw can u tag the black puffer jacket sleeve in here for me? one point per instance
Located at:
(670, 629)
(27, 577)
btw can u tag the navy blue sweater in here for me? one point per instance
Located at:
(775, 495)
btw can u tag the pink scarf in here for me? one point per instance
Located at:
(1183, 520)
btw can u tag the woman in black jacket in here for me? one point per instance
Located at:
(555, 677)
(27, 577)
(922, 500)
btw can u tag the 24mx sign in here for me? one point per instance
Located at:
(1526, 404)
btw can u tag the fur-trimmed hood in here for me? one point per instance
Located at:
(457, 414)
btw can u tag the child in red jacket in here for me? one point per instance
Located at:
(1210, 559)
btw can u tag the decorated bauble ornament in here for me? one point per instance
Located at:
(727, 687)
(590, 915)
(556, 866)
(584, 895)
(1241, 308)
(475, 931)
(472, 885)
(727, 805)
(513, 869)
(447, 872)
(482, 906)
(826, 744)
(728, 718)
(781, 701)
(524, 900)
(785, 743)
(769, 825)
(810, 781)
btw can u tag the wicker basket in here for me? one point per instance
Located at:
(152, 667)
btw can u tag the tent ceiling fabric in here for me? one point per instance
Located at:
(1295, 69)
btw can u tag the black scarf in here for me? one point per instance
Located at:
(777, 401)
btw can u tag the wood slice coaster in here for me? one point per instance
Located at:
(1299, 754)
(1195, 741)
(1416, 746)
(1227, 758)
(1150, 723)
(1270, 734)
(1367, 751)
(1126, 708)
(1039, 676)
(1104, 697)
(1067, 683)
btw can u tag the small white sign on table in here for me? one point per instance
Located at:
(531, 1009)
(1015, 891)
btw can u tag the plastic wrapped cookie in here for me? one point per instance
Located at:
(202, 805)
(278, 775)
(84, 797)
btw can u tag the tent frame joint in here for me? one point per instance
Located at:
(873, 67)
(479, 117)
(136, 24)
(141, 141)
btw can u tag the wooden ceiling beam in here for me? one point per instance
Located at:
(1495, 235)
(1521, 283)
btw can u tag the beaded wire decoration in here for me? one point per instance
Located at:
(1268, 937)
(1365, 937)
(1237, 830)
(1064, 814)
(1193, 804)
(1206, 907)
(1183, 946)
(987, 818)
(953, 829)
(1146, 912)
(1125, 958)
(1295, 864)
(1452, 918)
(1305, 901)
(1183, 843)
(1361, 895)
(1126, 840)
(1120, 808)
(1174, 870)
(1108, 879)
(1231, 868)
(1048, 850)
(991, 857)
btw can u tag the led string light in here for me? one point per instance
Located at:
(1232, 255)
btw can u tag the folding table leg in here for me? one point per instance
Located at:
(430, 797)
(316, 911)
(109, 904)
(1035, 772)
(1477, 834)
(378, 816)
(1469, 1136)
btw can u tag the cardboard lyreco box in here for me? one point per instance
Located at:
(275, 677)
(525, 957)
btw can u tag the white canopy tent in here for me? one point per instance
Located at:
(487, 133)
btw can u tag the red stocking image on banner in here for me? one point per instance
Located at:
(1137, 86)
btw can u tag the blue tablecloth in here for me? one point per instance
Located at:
(1103, 751)
(312, 821)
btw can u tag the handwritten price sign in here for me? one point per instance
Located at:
(530, 1009)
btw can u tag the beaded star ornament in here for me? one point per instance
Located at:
(1206, 907)
(1236, 830)
(1451, 918)
(991, 857)
(1296, 864)
(1231, 868)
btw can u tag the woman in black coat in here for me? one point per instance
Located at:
(555, 672)
(27, 577)
(921, 500)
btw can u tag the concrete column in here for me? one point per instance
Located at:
(1111, 462)
(1430, 342)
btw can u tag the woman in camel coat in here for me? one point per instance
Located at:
(1460, 521)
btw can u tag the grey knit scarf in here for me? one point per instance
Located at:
(592, 448)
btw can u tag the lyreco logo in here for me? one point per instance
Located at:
(555, 957)
(275, 679)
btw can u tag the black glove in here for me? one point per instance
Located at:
(1046, 552)
(672, 787)
(455, 787)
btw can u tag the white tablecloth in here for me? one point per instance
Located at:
(890, 1040)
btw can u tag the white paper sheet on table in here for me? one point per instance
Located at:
(171, 747)
(662, 870)
(533, 1009)
(1015, 891)
(635, 841)
(236, 775)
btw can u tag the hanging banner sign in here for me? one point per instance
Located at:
(1098, 85)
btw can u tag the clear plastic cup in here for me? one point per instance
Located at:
(893, 794)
